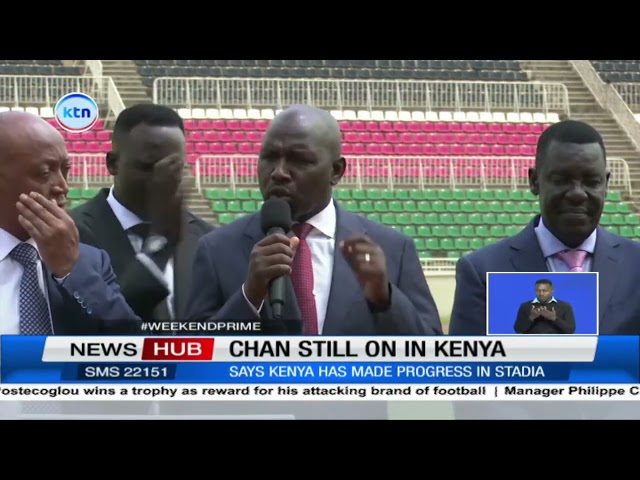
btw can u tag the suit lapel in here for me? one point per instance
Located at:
(526, 255)
(606, 258)
(108, 232)
(344, 284)
(183, 266)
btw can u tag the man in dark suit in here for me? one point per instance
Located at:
(142, 222)
(364, 278)
(545, 313)
(51, 284)
(571, 179)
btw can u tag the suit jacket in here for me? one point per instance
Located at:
(616, 259)
(222, 261)
(99, 226)
(565, 321)
(89, 301)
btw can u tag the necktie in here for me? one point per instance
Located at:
(574, 259)
(34, 311)
(302, 280)
(161, 310)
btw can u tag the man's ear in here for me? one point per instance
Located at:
(112, 163)
(339, 167)
(533, 181)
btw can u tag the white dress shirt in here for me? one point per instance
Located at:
(129, 219)
(550, 246)
(10, 278)
(322, 243)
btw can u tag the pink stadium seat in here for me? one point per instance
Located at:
(456, 149)
(377, 137)
(401, 149)
(512, 150)
(523, 128)
(262, 125)
(415, 149)
(225, 136)
(435, 137)
(219, 125)
(205, 124)
(233, 125)
(255, 136)
(374, 149)
(189, 125)
(345, 126)
(215, 148)
(257, 147)
(103, 135)
(455, 127)
(386, 127)
(239, 136)
(468, 127)
(489, 138)
(73, 136)
(210, 136)
(482, 128)
(99, 124)
(448, 137)
(414, 127)
(461, 138)
(400, 126)
(502, 139)
(471, 149)
(429, 149)
(358, 149)
(428, 127)
(484, 149)
(497, 149)
(536, 128)
(475, 138)
(406, 137)
(195, 136)
(373, 126)
(392, 137)
(443, 149)
(515, 139)
(364, 137)
(88, 135)
(78, 146)
(93, 147)
(358, 126)
(201, 147)
(347, 148)
(530, 139)
(508, 128)
(441, 127)
(192, 158)
(247, 125)
(386, 149)
(495, 127)
(527, 150)
(189, 147)
(245, 147)
(229, 147)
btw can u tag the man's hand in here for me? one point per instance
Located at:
(166, 198)
(534, 313)
(53, 230)
(270, 258)
(549, 314)
(368, 262)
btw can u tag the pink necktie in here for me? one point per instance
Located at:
(574, 259)
(302, 280)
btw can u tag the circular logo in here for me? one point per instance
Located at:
(76, 112)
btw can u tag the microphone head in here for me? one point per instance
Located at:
(275, 213)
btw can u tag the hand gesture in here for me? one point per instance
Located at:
(53, 230)
(368, 262)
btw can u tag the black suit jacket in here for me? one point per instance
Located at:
(565, 321)
(98, 226)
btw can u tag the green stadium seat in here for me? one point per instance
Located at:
(613, 229)
(351, 206)
(401, 194)
(424, 231)
(424, 206)
(526, 207)
(409, 206)
(476, 243)
(461, 219)
(74, 193)
(468, 206)
(76, 203)
(510, 207)
(424, 254)
(453, 254)
(388, 218)
(475, 219)
(468, 231)
(447, 244)
(213, 193)
(387, 194)
(502, 195)
(418, 219)
(375, 217)
(624, 208)
(88, 193)
(374, 194)
(487, 195)
(614, 196)
(358, 194)
(489, 241)
(515, 195)
(504, 219)
(632, 219)
(219, 206)
(497, 231)
(453, 231)
(618, 219)
(225, 218)
(496, 206)
(529, 197)
(453, 206)
(605, 220)
(446, 219)
(512, 230)
(420, 244)
(430, 194)
(234, 206)
(636, 231)
(460, 195)
(249, 206)
(461, 243)
(445, 194)
(474, 195)
(342, 194)
(482, 207)
(438, 206)
(403, 219)
(243, 194)
(610, 208)
(366, 206)
(489, 219)
(228, 194)
(439, 231)
(482, 231)
(626, 231)
(520, 218)
(432, 219)
(416, 194)
(395, 206)
(381, 206)
(255, 194)
(410, 231)
(433, 244)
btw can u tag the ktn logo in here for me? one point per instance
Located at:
(76, 112)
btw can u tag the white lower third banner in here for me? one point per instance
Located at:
(326, 392)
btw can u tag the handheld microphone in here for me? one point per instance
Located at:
(275, 217)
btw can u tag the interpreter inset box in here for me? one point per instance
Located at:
(542, 303)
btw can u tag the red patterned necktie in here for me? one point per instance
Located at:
(302, 280)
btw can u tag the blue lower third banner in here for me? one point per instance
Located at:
(616, 360)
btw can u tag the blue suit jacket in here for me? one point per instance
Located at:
(222, 260)
(89, 301)
(615, 257)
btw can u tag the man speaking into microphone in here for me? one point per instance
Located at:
(312, 268)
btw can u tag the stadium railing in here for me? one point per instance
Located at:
(370, 94)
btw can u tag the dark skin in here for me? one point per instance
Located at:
(544, 292)
(300, 161)
(147, 166)
(33, 187)
(571, 182)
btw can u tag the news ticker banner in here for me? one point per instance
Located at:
(321, 360)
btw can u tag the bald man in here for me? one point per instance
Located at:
(49, 282)
(362, 278)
